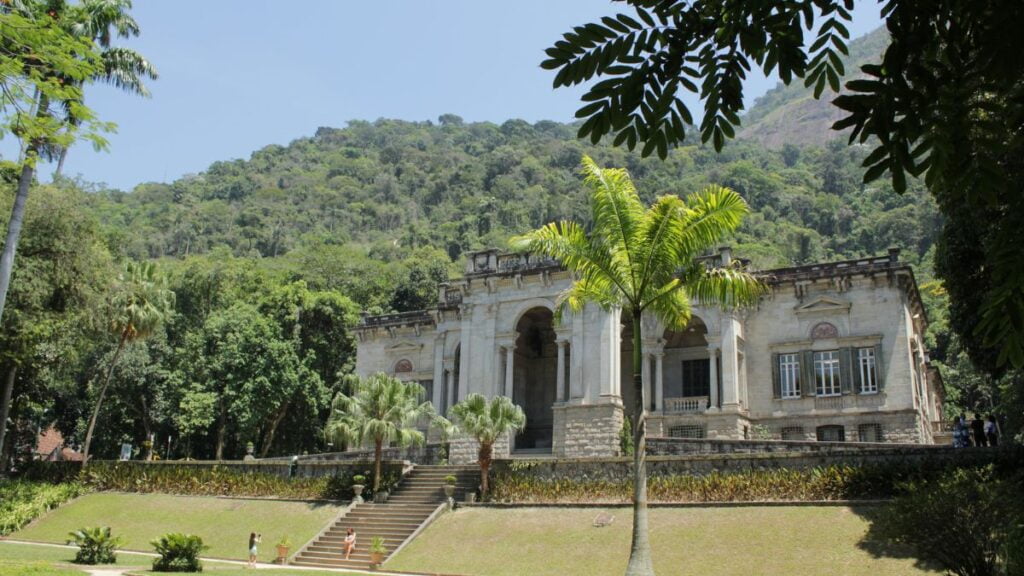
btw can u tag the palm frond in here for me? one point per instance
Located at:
(710, 215)
(728, 287)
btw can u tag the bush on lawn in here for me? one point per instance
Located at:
(22, 501)
(178, 553)
(967, 520)
(95, 545)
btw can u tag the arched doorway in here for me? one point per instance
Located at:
(534, 378)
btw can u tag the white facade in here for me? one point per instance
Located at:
(833, 351)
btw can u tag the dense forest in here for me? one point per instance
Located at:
(272, 259)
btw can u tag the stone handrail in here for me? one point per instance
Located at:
(686, 405)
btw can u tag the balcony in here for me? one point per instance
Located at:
(686, 405)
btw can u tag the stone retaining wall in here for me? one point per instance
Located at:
(618, 469)
(680, 446)
(306, 469)
(430, 453)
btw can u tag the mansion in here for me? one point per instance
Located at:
(833, 352)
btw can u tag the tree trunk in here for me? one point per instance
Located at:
(485, 456)
(640, 563)
(147, 428)
(14, 231)
(377, 453)
(268, 438)
(60, 163)
(222, 427)
(5, 410)
(99, 401)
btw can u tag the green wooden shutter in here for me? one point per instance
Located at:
(846, 369)
(879, 367)
(807, 384)
(858, 378)
(776, 380)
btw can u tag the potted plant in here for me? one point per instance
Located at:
(449, 485)
(358, 485)
(283, 546)
(377, 551)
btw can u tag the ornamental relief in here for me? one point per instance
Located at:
(824, 330)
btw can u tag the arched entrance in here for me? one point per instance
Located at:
(687, 368)
(534, 378)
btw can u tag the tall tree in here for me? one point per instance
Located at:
(140, 303)
(124, 68)
(944, 101)
(379, 409)
(487, 422)
(638, 261)
(41, 65)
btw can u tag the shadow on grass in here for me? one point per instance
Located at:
(877, 542)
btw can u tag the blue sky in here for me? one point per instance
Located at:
(237, 75)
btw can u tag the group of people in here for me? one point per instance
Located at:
(254, 539)
(977, 432)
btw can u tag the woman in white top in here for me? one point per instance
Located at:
(350, 542)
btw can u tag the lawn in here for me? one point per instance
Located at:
(721, 541)
(224, 524)
(33, 560)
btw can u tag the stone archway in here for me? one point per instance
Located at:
(535, 378)
(688, 371)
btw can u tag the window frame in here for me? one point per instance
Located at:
(835, 381)
(867, 369)
(789, 375)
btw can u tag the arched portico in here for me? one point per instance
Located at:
(534, 377)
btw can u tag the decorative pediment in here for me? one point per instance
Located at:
(824, 305)
(405, 346)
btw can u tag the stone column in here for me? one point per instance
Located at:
(449, 385)
(645, 375)
(659, 379)
(713, 374)
(730, 365)
(510, 354)
(560, 391)
(438, 371)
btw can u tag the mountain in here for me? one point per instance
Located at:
(791, 114)
(377, 192)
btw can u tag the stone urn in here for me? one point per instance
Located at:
(449, 490)
(357, 489)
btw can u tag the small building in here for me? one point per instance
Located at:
(833, 352)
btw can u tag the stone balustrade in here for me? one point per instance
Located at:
(686, 405)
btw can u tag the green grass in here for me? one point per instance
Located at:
(767, 541)
(223, 524)
(222, 570)
(16, 558)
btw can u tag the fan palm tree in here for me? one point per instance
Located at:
(141, 302)
(123, 68)
(638, 261)
(487, 421)
(379, 409)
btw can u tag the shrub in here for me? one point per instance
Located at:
(626, 438)
(95, 545)
(178, 553)
(966, 520)
(359, 479)
(451, 480)
(377, 545)
(23, 501)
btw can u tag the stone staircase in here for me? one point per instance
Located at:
(417, 497)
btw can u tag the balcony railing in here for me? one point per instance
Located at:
(848, 401)
(686, 405)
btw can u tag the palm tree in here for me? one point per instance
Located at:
(487, 422)
(640, 261)
(379, 409)
(141, 302)
(100, 21)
